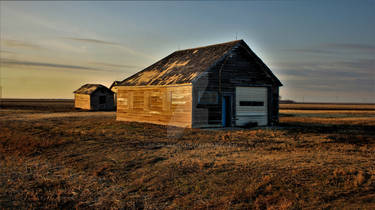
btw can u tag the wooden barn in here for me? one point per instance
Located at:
(94, 97)
(219, 85)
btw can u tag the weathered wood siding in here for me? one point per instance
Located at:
(82, 101)
(166, 105)
(237, 69)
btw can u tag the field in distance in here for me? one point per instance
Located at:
(46, 105)
(55, 157)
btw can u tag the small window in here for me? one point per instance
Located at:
(101, 99)
(207, 97)
(251, 103)
(155, 103)
(138, 100)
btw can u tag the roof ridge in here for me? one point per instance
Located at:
(181, 66)
(88, 88)
(92, 84)
(211, 45)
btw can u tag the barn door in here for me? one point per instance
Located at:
(226, 111)
(251, 105)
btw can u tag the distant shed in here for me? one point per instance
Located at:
(219, 85)
(94, 97)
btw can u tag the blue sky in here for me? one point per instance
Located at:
(320, 50)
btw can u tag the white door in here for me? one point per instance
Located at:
(251, 105)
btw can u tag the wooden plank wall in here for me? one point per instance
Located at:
(237, 70)
(82, 101)
(165, 105)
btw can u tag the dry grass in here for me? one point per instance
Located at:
(95, 162)
(327, 106)
(38, 105)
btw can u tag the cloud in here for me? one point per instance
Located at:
(7, 52)
(39, 20)
(351, 46)
(360, 64)
(353, 65)
(72, 31)
(334, 48)
(307, 50)
(115, 65)
(19, 44)
(94, 41)
(113, 44)
(14, 62)
(61, 46)
(345, 77)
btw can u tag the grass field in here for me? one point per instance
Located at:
(40, 105)
(315, 158)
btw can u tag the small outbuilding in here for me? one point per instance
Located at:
(94, 97)
(219, 85)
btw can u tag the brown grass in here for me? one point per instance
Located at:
(327, 106)
(39, 105)
(309, 161)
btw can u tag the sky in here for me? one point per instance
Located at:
(322, 51)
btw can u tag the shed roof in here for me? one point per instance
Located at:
(89, 89)
(184, 66)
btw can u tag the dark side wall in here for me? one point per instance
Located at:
(237, 69)
(109, 100)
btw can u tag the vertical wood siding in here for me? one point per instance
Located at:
(238, 69)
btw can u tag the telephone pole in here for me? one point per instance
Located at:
(1, 88)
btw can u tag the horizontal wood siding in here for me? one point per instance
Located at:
(166, 105)
(82, 101)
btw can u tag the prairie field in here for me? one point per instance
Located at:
(319, 156)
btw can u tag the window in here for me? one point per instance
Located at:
(155, 103)
(101, 99)
(251, 103)
(138, 101)
(207, 97)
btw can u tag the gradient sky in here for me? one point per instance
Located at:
(322, 51)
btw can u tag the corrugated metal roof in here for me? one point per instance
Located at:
(181, 66)
(184, 66)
